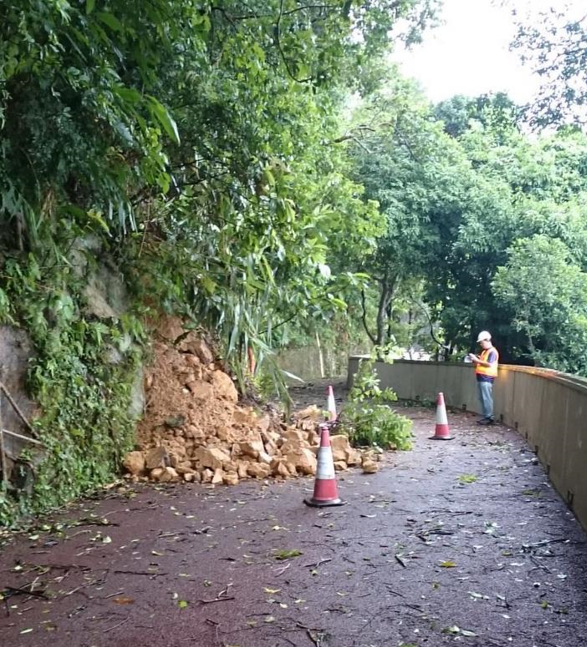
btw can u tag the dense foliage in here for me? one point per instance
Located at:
(367, 418)
(197, 147)
(472, 205)
(258, 168)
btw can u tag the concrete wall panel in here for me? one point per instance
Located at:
(547, 407)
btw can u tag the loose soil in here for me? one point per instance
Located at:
(458, 542)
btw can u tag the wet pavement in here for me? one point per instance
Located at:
(459, 542)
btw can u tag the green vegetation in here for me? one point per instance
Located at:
(259, 169)
(196, 147)
(367, 418)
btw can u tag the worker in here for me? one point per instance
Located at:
(486, 372)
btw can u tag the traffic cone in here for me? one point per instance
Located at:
(442, 431)
(325, 488)
(331, 405)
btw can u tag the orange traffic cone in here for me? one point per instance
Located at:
(325, 488)
(331, 405)
(442, 431)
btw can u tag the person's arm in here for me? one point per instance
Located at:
(477, 360)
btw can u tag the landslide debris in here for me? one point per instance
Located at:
(194, 428)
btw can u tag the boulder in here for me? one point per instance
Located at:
(169, 475)
(185, 468)
(258, 470)
(134, 463)
(156, 457)
(206, 475)
(246, 417)
(230, 478)
(155, 474)
(218, 476)
(264, 458)
(312, 413)
(212, 457)
(242, 469)
(252, 448)
(201, 390)
(200, 348)
(279, 468)
(294, 446)
(369, 466)
(224, 387)
(340, 445)
(353, 456)
(294, 434)
(339, 466)
(303, 461)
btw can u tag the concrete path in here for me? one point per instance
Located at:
(461, 542)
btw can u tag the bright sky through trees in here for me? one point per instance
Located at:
(469, 53)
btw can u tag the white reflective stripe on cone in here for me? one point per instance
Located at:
(441, 418)
(325, 464)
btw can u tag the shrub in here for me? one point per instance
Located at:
(367, 418)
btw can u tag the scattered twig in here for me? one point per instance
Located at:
(141, 573)
(117, 625)
(318, 563)
(281, 571)
(400, 560)
(221, 597)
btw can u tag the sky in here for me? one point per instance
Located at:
(469, 54)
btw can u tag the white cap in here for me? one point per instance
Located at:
(484, 336)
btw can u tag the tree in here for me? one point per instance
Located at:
(554, 43)
(419, 177)
(546, 293)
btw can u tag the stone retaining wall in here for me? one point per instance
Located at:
(549, 408)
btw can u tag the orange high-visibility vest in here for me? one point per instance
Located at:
(490, 371)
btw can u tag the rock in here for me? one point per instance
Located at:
(370, 467)
(184, 468)
(264, 458)
(279, 468)
(157, 457)
(206, 475)
(170, 328)
(339, 466)
(200, 348)
(242, 469)
(195, 432)
(294, 446)
(201, 390)
(231, 478)
(252, 448)
(218, 476)
(224, 387)
(227, 435)
(169, 475)
(294, 434)
(246, 417)
(353, 456)
(310, 413)
(188, 477)
(258, 470)
(155, 474)
(134, 463)
(303, 461)
(212, 457)
(340, 445)
(194, 361)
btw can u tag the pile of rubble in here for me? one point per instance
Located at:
(195, 430)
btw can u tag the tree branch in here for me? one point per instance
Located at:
(364, 318)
